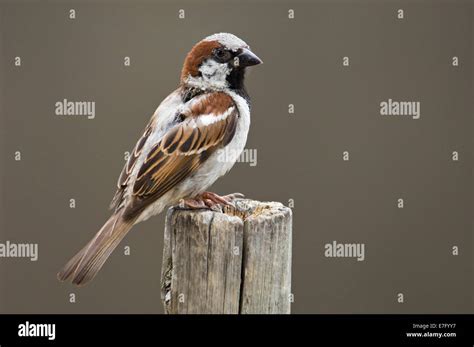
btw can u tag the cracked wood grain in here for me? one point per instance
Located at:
(234, 261)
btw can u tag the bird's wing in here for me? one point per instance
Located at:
(128, 168)
(207, 125)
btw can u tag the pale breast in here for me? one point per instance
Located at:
(221, 161)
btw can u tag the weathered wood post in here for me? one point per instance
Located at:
(234, 261)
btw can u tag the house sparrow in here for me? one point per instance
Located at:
(178, 156)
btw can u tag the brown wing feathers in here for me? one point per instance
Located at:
(128, 167)
(207, 126)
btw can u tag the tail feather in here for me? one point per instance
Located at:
(83, 267)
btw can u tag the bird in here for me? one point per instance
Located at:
(179, 155)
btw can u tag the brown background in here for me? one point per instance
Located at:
(299, 157)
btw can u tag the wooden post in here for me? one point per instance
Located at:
(237, 260)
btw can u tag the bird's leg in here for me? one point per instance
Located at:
(214, 198)
(192, 204)
(203, 200)
(209, 200)
(234, 196)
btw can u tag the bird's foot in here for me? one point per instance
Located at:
(234, 196)
(210, 200)
(192, 204)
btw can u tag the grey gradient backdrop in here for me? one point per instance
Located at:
(299, 156)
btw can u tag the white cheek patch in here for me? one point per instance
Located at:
(213, 76)
(214, 71)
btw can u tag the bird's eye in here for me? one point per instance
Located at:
(222, 55)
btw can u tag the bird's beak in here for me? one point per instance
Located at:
(248, 58)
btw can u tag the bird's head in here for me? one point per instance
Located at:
(218, 62)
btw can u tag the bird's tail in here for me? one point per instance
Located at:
(83, 267)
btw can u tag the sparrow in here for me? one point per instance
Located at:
(179, 156)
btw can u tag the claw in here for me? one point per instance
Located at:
(209, 203)
(214, 198)
(234, 196)
(192, 204)
(210, 200)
